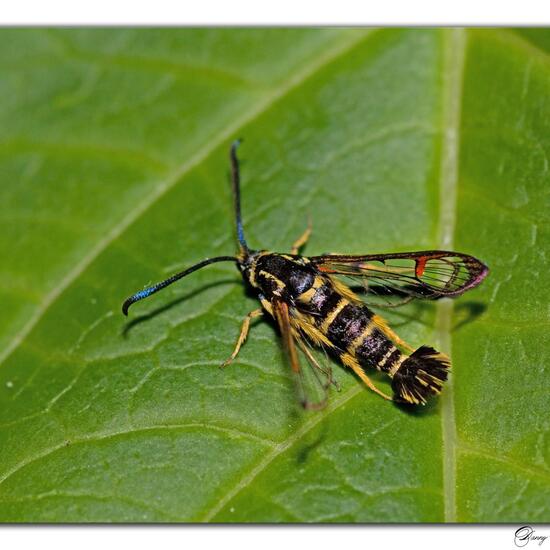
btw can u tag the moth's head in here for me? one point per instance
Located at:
(246, 262)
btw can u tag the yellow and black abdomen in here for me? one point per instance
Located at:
(349, 325)
(355, 328)
(360, 339)
(331, 315)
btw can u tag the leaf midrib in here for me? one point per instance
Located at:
(453, 69)
(454, 51)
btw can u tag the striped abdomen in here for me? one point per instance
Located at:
(349, 325)
(330, 314)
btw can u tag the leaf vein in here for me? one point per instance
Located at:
(246, 480)
(159, 427)
(294, 81)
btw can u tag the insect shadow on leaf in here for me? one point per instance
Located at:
(130, 325)
(467, 312)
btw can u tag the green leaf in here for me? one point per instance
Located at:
(115, 174)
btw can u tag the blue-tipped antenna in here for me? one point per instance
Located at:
(236, 184)
(235, 179)
(159, 286)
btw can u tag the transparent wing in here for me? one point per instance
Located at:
(312, 383)
(427, 274)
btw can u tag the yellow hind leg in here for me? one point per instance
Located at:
(350, 362)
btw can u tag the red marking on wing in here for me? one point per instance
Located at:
(421, 266)
(427, 274)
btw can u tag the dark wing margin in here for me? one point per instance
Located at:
(427, 274)
(312, 386)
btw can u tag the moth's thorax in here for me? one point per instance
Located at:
(278, 275)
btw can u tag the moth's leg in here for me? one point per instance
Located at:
(327, 372)
(356, 368)
(302, 239)
(368, 382)
(242, 336)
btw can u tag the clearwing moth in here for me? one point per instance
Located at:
(312, 306)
